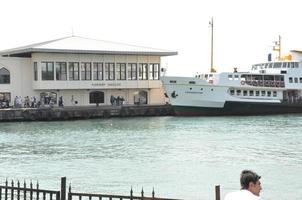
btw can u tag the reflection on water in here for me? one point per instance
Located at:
(180, 157)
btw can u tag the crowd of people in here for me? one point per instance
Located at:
(117, 101)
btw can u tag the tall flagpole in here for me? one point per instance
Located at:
(212, 46)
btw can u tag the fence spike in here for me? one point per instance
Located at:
(18, 183)
(12, 183)
(31, 184)
(24, 184)
(142, 192)
(153, 193)
(131, 191)
(6, 182)
(37, 184)
(69, 189)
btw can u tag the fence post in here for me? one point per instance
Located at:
(63, 188)
(217, 192)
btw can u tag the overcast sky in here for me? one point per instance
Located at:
(244, 29)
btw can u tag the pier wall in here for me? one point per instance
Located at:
(83, 112)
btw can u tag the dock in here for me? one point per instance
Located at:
(83, 112)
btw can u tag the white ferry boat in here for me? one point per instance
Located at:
(272, 87)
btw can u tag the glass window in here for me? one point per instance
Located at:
(244, 92)
(251, 92)
(73, 71)
(143, 71)
(35, 71)
(230, 76)
(262, 93)
(98, 71)
(290, 79)
(257, 93)
(269, 93)
(232, 92)
(296, 80)
(153, 71)
(300, 80)
(121, 71)
(4, 76)
(61, 71)
(47, 71)
(109, 71)
(85, 71)
(284, 65)
(296, 65)
(132, 71)
(236, 77)
(5, 96)
(238, 92)
(274, 93)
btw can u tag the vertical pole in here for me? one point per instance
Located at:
(63, 188)
(279, 47)
(217, 192)
(212, 46)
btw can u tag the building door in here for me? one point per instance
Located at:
(141, 97)
(96, 97)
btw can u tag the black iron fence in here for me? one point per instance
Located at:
(29, 191)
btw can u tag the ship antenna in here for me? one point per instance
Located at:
(211, 23)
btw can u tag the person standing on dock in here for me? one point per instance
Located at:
(250, 187)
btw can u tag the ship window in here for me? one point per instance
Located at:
(291, 65)
(274, 93)
(277, 65)
(238, 92)
(232, 92)
(284, 65)
(296, 80)
(251, 92)
(210, 75)
(270, 65)
(230, 76)
(290, 79)
(300, 80)
(296, 65)
(172, 81)
(191, 82)
(206, 76)
(244, 92)
(262, 93)
(257, 93)
(190, 88)
(236, 77)
(269, 93)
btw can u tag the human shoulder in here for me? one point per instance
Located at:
(241, 195)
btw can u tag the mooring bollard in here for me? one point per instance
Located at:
(217, 192)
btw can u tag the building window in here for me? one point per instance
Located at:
(73, 71)
(238, 92)
(290, 79)
(86, 71)
(121, 71)
(4, 76)
(35, 71)
(61, 71)
(5, 96)
(154, 71)
(296, 80)
(140, 97)
(97, 71)
(48, 98)
(251, 92)
(47, 71)
(274, 94)
(269, 93)
(257, 93)
(244, 92)
(143, 71)
(96, 97)
(132, 71)
(232, 92)
(262, 93)
(109, 71)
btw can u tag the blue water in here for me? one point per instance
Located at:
(179, 157)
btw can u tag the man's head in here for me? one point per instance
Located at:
(249, 180)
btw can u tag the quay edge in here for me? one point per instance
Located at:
(83, 112)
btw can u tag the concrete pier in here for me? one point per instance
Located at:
(83, 112)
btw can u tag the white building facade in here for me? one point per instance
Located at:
(83, 71)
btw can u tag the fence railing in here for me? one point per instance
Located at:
(28, 192)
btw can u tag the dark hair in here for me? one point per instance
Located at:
(248, 176)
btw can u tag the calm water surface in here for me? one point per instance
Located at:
(179, 157)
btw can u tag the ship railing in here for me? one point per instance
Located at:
(264, 83)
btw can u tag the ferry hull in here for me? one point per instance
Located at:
(240, 108)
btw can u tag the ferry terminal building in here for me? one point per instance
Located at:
(83, 71)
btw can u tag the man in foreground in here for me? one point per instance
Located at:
(250, 187)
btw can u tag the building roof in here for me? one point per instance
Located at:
(81, 45)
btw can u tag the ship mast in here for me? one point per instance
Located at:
(211, 23)
(277, 47)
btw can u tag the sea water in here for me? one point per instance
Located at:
(180, 157)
